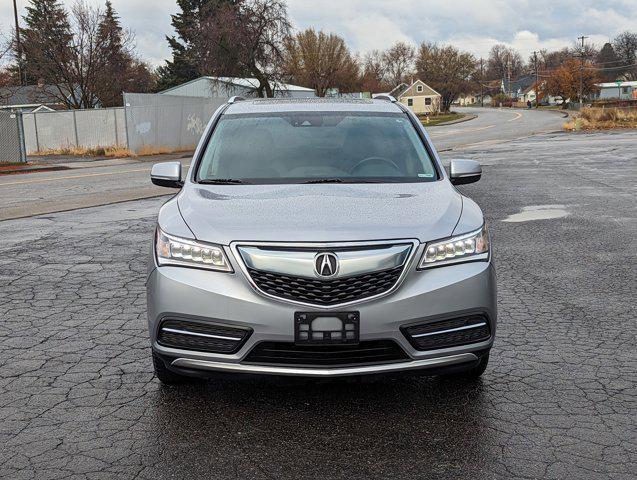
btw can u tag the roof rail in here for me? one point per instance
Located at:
(384, 96)
(235, 99)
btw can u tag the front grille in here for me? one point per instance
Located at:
(448, 333)
(283, 353)
(326, 292)
(201, 336)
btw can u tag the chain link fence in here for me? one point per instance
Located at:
(12, 149)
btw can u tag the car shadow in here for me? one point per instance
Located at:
(273, 423)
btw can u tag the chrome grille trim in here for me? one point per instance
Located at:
(327, 246)
(301, 262)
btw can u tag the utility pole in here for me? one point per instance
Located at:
(18, 43)
(581, 70)
(509, 77)
(482, 82)
(537, 81)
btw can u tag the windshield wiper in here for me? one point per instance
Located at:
(326, 180)
(221, 181)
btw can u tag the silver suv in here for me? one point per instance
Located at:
(319, 238)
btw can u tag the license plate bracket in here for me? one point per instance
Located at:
(326, 328)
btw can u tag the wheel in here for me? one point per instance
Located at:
(473, 372)
(165, 376)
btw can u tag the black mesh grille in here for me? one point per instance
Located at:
(377, 351)
(435, 336)
(326, 292)
(189, 340)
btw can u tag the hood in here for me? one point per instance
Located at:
(320, 212)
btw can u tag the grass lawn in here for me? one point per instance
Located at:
(441, 118)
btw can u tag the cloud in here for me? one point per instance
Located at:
(473, 25)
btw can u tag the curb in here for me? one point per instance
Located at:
(32, 169)
(466, 118)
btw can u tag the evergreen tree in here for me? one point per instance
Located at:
(608, 62)
(115, 57)
(46, 41)
(187, 24)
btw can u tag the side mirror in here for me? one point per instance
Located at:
(167, 174)
(462, 172)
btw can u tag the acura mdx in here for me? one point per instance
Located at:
(320, 238)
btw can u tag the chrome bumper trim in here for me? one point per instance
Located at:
(324, 372)
(449, 330)
(197, 334)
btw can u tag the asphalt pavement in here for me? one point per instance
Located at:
(558, 401)
(92, 183)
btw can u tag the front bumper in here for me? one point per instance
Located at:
(229, 299)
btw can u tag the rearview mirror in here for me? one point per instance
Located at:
(167, 174)
(462, 172)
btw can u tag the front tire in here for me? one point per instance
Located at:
(166, 376)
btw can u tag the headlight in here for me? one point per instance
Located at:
(462, 248)
(171, 250)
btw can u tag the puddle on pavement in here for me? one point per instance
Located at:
(538, 212)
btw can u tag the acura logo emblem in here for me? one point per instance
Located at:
(326, 264)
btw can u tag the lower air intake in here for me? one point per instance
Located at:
(201, 336)
(448, 333)
(283, 353)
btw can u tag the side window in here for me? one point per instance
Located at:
(427, 101)
(419, 88)
(410, 102)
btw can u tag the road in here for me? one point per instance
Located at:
(558, 401)
(493, 126)
(121, 180)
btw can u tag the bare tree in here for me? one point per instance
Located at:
(374, 73)
(625, 45)
(6, 78)
(320, 60)
(84, 57)
(504, 61)
(399, 62)
(245, 39)
(551, 60)
(446, 69)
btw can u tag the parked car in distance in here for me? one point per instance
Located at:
(320, 238)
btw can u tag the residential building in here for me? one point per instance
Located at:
(30, 98)
(224, 87)
(515, 89)
(419, 97)
(621, 90)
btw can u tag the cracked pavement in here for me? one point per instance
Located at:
(558, 401)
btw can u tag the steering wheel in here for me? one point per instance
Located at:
(376, 160)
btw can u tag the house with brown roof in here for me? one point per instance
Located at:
(419, 97)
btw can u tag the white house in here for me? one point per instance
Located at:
(617, 90)
(231, 86)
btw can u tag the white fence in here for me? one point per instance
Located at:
(147, 122)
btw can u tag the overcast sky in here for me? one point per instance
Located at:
(473, 25)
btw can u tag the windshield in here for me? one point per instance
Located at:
(315, 147)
